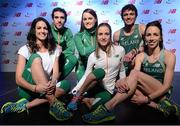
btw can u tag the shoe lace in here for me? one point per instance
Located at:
(98, 112)
(61, 108)
(17, 108)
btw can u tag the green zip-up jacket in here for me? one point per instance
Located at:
(66, 40)
(85, 44)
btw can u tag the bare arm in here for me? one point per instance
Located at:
(116, 37)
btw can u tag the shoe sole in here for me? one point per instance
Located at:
(51, 113)
(100, 121)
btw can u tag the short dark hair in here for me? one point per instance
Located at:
(129, 7)
(60, 10)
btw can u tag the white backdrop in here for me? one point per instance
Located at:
(16, 17)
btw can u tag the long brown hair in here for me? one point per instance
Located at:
(93, 13)
(108, 51)
(31, 37)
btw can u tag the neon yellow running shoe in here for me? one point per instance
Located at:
(168, 108)
(99, 115)
(17, 107)
(58, 111)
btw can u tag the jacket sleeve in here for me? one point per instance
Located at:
(89, 68)
(122, 72)
(70, 42)
(81, 47)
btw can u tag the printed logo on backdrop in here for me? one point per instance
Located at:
(18, 33)
(144, 2)
(28, 15)
(4, 24)
(170, 21)
(43, 14)
(146, 12)
(170, 1)
(28, 23)
(17, 43)
(104, 2)
(170, 41)
(16, 24)
(5, 43)
(157, 12)
(54, 4)
(172, 11)
(17, 14)
(41, 5)
(157, 1)
(132, 1)
(79, 3)
(29, 5)
(172, 31)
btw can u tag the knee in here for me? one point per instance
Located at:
(99, 73)
(64, 84)
(34, 58)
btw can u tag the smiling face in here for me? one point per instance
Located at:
(153, 37)
(129, 17)
(59, 19)
(41, 31)
(103, 36)
(88, 20)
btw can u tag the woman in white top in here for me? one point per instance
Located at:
(37, 72)
(103, 67)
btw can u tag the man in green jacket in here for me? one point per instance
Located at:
(64, 40)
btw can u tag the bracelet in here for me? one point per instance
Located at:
(149, 99)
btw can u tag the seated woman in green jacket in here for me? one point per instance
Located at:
(85, 40)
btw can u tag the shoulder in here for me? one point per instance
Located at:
(116, 35)
(140, 56)
(23, 48)
(24, 51)
(78, 34)
(57, 51)
(169, 56)
(67, 30)
(142, 28)
(119, 48)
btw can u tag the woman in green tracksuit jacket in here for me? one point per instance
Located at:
(85, 40)
(64, 40)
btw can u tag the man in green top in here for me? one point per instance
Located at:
(130, 36)
(64, 40)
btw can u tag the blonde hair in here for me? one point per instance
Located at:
(108, 50)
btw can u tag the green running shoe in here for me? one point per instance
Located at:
(17, 107)
(58, 111)
(99, 115)
(168, 108)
